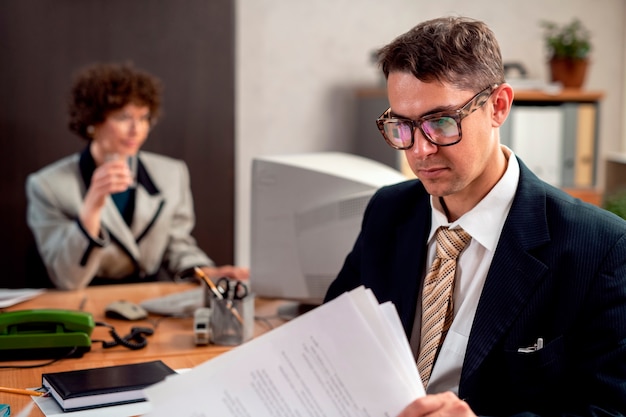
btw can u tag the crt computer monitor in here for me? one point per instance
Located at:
(306, 212)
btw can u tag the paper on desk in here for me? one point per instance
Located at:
(9, 297)
(345, 358)
(50, 408)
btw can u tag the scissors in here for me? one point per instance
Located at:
(232, 289)
(219, 289)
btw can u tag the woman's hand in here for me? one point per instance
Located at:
(229, 271)
(109, 178)
(440, 405)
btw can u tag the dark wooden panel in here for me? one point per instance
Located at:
(188, 44)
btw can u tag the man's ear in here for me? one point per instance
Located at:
(502, 102)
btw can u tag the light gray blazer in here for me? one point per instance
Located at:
(160, 233)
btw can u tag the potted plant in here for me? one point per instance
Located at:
(616, 203)
(568, 48)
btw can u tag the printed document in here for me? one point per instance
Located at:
(348, 358)
(9, 297)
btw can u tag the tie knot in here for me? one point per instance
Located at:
(450, 242)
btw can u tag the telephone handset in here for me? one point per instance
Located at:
(44, 333)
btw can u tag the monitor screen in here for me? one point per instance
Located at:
(306, 212)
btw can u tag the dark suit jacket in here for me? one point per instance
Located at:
(559, 272)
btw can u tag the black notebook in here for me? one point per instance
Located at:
(99, 387)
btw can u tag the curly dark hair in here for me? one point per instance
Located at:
(457, 50)
(102, 88)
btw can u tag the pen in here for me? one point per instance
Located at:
(539, 344)
(22, 391)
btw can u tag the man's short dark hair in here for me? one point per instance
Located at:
(455, 50)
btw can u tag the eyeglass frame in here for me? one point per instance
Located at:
(457, 115)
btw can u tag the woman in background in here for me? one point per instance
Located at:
(114, 214)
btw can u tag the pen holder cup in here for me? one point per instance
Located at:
(232, 321)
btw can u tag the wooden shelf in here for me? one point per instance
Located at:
(589, 195)
(565, 95)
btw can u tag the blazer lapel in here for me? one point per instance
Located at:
(147, 209)
(113, 221)
(513, 276)
(406, 278)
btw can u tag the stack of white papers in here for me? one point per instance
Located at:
(349, 357)
(9, 297)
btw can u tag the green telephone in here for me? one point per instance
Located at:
(44, 333)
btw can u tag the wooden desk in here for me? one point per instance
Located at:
(172, 341)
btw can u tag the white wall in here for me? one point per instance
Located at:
(297, 61)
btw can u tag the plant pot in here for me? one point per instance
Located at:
(569, 72)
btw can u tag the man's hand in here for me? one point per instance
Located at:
(440, 405)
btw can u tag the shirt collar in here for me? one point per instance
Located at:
(484, 222)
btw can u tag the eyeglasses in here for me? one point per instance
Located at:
(441, 129)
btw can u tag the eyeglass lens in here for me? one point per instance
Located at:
(439, 129)
(442, 130)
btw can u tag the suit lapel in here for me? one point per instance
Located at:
(114, 223)
(513, 276)
(147, 209)
(412, 221)
(406, 279)
(148, 204)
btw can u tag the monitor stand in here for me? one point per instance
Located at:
(294, 309)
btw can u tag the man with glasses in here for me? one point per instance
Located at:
(533, 321)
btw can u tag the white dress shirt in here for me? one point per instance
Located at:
(484, 223)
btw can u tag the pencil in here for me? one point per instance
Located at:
(218, 294)
(22, 391)
(233, 310)
(81, 306)
(208, 281)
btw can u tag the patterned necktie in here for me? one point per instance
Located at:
(437, 306)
